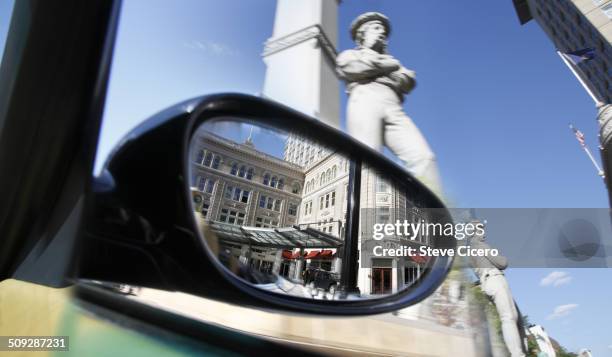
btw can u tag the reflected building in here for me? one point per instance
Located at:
(289, 219)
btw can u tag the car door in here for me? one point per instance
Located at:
(53, 84)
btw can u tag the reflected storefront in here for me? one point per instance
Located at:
(282, 211)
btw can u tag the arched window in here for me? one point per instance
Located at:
(281, 184)
(322, 179)
(242, 171)
(200, 157)
(266, 180)
(216, 162)
(295, 188)
(208, 159)
(274, 181)
(234, 169)
(334, 171)
(328, 175)
(250, 174)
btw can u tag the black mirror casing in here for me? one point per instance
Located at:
(141, 229)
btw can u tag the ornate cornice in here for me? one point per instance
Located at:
(605, 125)
(274, 45)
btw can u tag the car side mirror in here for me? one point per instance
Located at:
(244, 200)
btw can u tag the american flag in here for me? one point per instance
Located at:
(579, 135)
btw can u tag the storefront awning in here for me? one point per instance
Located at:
(326, 253)
(419, 259)
(312, 254)
(286, 237)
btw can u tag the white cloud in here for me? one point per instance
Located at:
(214, 48)
(556, 278)
(562, 310)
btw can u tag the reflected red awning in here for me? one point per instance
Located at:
(312, 254)
(419, 259)
(287, 254)
(295, 255)
(326, 253)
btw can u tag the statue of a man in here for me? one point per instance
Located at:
(489, 270)
(377, 83)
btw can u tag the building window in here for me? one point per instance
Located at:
(204, 210)
(200, 157)
(208, 159)
(237, 194)
(206, 184)
(269, 203)
(292, 209)
(231, 216)
(234, 170)
(266, 222)
(295, 188)
(242, 171)
(274, 181)
(266, 179)
(281, 184)
(329, 200)
(210, 185)
(216, 162)
(383, 215)
(382, 186)
(249, 175)
(308, 208)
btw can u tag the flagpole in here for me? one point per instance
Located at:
(580, 76)
(588, 152)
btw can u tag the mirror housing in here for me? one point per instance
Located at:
(141, 230)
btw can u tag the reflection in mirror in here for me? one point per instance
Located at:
(273, 207)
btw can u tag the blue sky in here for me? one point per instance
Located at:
(493, 99)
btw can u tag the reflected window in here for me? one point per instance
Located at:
(281, 184)
(242, 171)
(234, 170)
(266, 179)
(382, 186)
(216, 162)
(274, 181)
(249, 175)
(208, 159)
(295, 188)
(205, 207)
(200, 157)
(210, 185)
(292, 209)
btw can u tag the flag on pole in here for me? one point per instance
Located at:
(582, 55)
(571, 60)
(579, 135)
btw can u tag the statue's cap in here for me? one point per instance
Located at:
(367, 17)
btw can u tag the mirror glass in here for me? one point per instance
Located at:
(273, 207)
